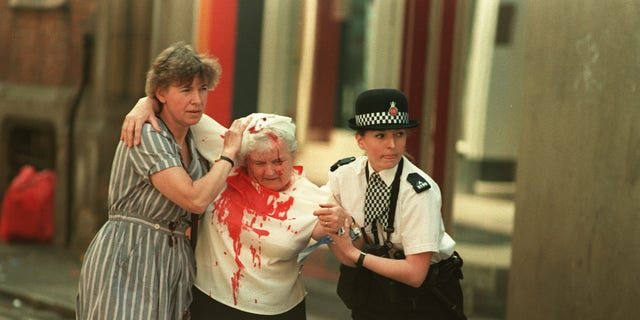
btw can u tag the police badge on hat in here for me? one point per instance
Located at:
(393, 111)
(381, 109)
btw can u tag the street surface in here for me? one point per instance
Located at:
(319, 307)
(17, 309)
(39, 282)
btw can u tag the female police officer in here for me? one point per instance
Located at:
(384, 273)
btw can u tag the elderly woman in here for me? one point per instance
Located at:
(140, 264)
(249, 241)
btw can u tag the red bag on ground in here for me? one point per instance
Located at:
(28, 206)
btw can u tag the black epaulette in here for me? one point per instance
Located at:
(418, 182)
(342, 162)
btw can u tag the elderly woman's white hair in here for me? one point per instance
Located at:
(264, 127)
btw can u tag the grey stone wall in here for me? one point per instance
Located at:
(577, 218)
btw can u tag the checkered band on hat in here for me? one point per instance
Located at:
(376, 200)
(380, 118)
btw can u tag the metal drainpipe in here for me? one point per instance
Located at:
(87, 42)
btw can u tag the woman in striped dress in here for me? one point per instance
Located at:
(140, 264)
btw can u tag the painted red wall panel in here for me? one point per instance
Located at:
(217, 32)
(443, 90)
(414, 65)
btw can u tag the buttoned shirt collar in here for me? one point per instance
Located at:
(387, 175)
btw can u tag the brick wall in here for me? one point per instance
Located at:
(41, 67)
(43, 46)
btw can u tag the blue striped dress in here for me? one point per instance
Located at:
(140, 264)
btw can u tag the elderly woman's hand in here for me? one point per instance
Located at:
(143, 111)
(331, 217)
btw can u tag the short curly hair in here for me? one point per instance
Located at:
(178, 65)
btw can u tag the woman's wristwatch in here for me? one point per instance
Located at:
(354, 232)
(225, 158)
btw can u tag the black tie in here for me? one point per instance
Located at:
(376, 200)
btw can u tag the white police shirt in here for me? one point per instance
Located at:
(418, 221)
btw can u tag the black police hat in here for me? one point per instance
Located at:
(382, 109)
